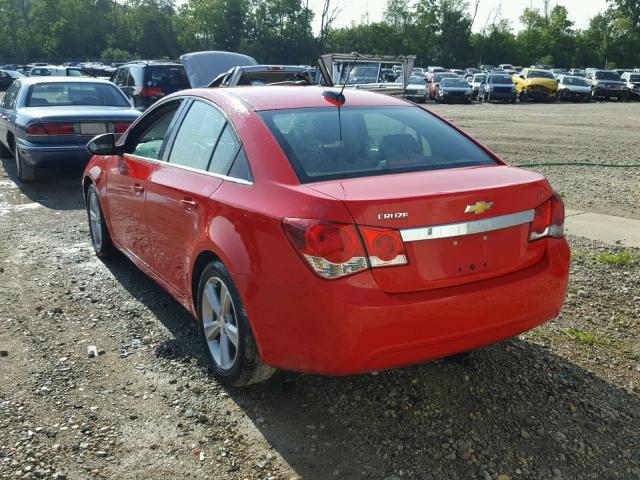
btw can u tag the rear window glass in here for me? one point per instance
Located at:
(68, 93)
(167, 77)
(332, 143)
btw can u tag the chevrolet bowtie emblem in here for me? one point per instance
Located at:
(479, 207)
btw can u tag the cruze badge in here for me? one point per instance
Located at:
(393, 216)
(479, 207)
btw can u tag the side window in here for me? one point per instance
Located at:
(149, 143)
(129, 80)
(11, 95)
(240, 168)
(226, 151)
(197, 136)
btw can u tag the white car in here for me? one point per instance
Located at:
(573, 88)
(632, 80)
(416, 90)
(476, 82)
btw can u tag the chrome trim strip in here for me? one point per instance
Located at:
(196, 170)
(466, 228)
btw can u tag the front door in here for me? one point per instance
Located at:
(127, 184)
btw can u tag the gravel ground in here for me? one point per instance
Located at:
(560, 402)
(603, 132)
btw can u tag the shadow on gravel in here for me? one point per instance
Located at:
(58, 189)
(512, 408)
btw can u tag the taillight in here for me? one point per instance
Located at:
(121, 127)
(548, 219)
(151, 92)
(384, 246)
(333, 250)
(51, 128)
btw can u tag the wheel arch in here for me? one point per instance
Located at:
(202, 260)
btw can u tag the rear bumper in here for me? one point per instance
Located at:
(347, 327)
(52, 155)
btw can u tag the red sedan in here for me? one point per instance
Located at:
(319, 234)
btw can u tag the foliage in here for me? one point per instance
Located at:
(439, 32)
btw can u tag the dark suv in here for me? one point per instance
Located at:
(146, 82)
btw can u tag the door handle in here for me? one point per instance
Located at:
(188, 204)
(138, 188)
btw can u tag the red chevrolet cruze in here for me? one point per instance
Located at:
(319, 235)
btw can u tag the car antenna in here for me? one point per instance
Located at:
(335, 98)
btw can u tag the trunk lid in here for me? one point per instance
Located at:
(415, 202)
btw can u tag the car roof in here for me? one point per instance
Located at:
(34, 80)
(284, 97)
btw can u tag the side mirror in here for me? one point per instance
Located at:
(104, 144)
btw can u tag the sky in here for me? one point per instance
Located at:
(580, 11)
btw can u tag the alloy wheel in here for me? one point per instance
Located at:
(95, 220)
(220, 323)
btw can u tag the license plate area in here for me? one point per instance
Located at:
(93, 128)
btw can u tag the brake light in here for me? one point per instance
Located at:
(384, 246)
(548, 219)
(121, 127)
(332, 250)
(51, 128)
(151, 92)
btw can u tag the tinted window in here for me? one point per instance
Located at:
(500, 80)
(325, 143)
(197, 137)
(67, 93)
(539, 74)
(240, 168)
(604, 75)
(149, 143)
(226, 151)
(454, 82)
(167, 77)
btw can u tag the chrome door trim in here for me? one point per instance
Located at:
(466, 228)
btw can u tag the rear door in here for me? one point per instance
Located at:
(200, 155)
(127, 182)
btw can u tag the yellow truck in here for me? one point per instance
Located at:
(536, 85)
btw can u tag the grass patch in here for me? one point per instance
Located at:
(586, 338)
(624, 257)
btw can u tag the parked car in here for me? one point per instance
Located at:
(457, 71)
(470, 72)
(7, 77)
(307, 237)
(577, 72)
(559, 71)
(47, 121)
(253, 75)
(475, 84)
(416, 89)
(632, 81)
(57, 71)
(541, 67)
(497, 88)
(505, 66)
(432, 70)
(573, 88)
(416, 71)
(435, 80)
(453, 90)
(536, 85)
(487, 68)
(607, 84)
(145, 82)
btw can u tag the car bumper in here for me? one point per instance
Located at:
(52, 155)
(607, 92)
(501, 96)
(351, 326)
(456, 98)
(415, 96)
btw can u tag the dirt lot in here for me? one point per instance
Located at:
(561, 402)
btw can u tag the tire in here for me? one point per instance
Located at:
(26, 173)
(100, 237)
(241, 364)
(5, 152)
(523, 96)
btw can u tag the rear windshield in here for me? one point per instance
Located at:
(167, 77)
(577, 81)
(501, 80)
(335, 143)
(68, 93)
(272, 76)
